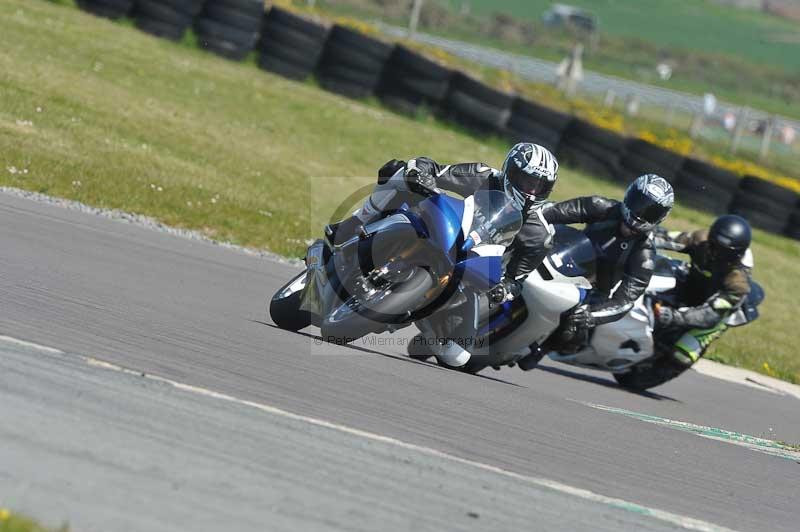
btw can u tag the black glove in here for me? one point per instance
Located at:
(579, 319)
(664, 316)
(505, 291)
(420, 176)
(389, 169)
(575, 330)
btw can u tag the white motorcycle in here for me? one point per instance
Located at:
(524, 330)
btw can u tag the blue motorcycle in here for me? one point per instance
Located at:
(401, 268)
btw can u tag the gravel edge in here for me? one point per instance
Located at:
(145, 222)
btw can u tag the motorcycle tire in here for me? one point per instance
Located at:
(284, 308)
(355, 319)
(418, 348)
(473, 367)
(639, 379)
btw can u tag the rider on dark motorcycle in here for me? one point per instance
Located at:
(528, 174)
(622, 236)
(716, 285)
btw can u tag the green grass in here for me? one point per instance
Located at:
(98, 112)
(693, 24)
(744, 57)
(11, 522)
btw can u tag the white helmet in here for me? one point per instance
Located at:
(531, 171)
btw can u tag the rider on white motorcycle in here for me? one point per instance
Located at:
(716, 285)
(622, 236)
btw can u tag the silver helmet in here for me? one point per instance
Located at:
(648, 200)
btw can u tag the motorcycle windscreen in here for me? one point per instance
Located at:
(573, 254)
(496, 220)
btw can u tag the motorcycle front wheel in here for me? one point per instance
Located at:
(390, 306)
(284, 308)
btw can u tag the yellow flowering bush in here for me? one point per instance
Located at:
(743, 167)
(358, 25)
(600, 116)
(674, 141)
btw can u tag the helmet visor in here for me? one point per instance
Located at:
(644, 209)
(727, 254)
(531, 185)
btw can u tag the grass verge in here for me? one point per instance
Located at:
(100, 113)
(11, 522)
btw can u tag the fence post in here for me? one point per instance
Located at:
(741, 120)
(414, 20)
(769, 127)
(670, 114)
(610, 97)
(696, 125)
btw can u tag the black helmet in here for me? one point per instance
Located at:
(647, 202)
(729, 237)
(531, 171)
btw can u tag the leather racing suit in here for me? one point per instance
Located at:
(625, 262)
(712, 290)
(397, 181)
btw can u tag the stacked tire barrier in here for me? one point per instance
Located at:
(593, 149)
(412, 81)
(291, 45)
(107, 8)
(352, 63)
(532, 122)
(764, 204)
(166, 18)
(230, 28)
(793, 229)
(357, 65)
(477, 106)
(641, 157)
(705, 187)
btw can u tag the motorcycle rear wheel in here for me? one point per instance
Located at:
(640, 379)
(284, 308)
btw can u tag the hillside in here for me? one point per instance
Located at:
(694, 24)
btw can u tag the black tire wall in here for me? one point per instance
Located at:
(411, 81)
(112, 9)
(352, 63)
(291, 45)
(168, 19)
(477, 106)
(230, 28)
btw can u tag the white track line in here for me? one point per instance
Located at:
(17, 341)
(762, 445)
(688, 523)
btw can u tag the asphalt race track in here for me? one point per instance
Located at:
(322, 453)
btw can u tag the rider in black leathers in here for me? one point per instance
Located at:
(716, 285)
(622, 236)
(528, 176)
(531, 184)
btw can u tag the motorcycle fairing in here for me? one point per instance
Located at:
(618, 345)
(480, 273)
(442, 216)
